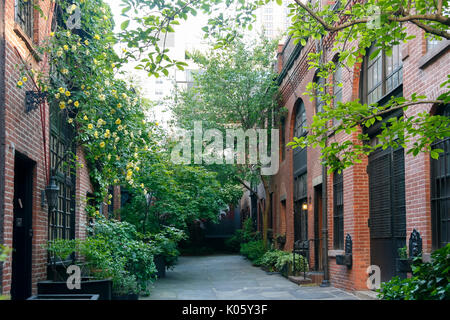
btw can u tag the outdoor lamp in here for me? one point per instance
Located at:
(51, 193)
(305, 206)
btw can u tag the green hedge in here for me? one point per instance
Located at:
(430, 280)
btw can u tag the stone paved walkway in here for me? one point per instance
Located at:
(232, 277)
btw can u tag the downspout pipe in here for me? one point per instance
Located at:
(326, 273)
(2, 129)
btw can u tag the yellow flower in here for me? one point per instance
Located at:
(110, 196)
(107, 133)
(102, 144)
(62, 105)
(68, 93)
(97, 37)
(120, 127)
(124, 50)
(76, 104)
(64, 71)
(19, 83)
(96, 134)
(142, 186)
(116, 180)
(59, 53)
(82, 87)
(113, 65)
(52, 34)
(86, 42)
(57, 95)
(85, 117)
(70, 120)
(118, 121)
(62, 90)
(90, 126)
(137, 169)
(117, 158)
(66, 47)
(101, 97)
(24, 79)
(119, 105)
(68, 33)
(156, 124)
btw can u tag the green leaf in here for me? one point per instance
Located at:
(279, 2)
(124, 24)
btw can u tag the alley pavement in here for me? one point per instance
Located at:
(232, 277)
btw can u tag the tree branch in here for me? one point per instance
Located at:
(406, 18)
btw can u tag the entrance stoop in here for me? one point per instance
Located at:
(313, 277)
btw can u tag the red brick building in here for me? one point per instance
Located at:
(380, 201)
(34, 138)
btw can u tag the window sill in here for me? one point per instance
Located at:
(28, 42)
(434, 54)
(334, 253)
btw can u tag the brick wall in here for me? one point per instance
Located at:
(23, 134)
(421, 74)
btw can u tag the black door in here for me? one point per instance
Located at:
(300, 208)
(22, 229)
(387, 209)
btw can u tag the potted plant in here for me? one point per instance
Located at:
(125, 287)
(90, 283)
(403, 262)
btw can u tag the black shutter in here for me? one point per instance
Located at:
(380, 194)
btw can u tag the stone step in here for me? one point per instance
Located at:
(300, 280)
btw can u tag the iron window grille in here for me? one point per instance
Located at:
(24, 16)
(440, 191)
(338, 211)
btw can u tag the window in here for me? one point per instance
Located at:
(337, 89)
(300, 120)
(383, 74)
(319, 102)
(440, 192)
(432, 43)
(24, 16)
(62, 220)
(338, 211)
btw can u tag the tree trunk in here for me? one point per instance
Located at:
(267, 207)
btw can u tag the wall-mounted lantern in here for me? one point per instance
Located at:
(305, 206)
(51, 193)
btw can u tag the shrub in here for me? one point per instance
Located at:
(270, 258)
(233, 244)
(285, 259)
(165, 243)
(253, 250)
(430, 280)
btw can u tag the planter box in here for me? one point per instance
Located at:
(64, 297)
(131, 296)
(344, 260)
(101, 287)
(160, 264)
(404, 265)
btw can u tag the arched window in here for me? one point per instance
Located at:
(440, 191)
(300, 119)
(382, 74)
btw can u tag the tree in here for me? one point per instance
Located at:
(354, 26)
(234, 89)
